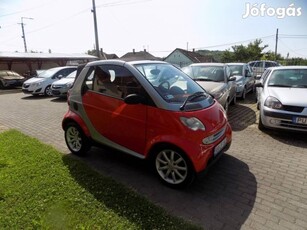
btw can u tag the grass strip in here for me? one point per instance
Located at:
(40, 188)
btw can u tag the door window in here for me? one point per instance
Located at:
(115, 81)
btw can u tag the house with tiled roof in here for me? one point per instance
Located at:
(181, 57)
(141, 55)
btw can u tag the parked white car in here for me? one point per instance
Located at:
(282, 100)
(41, 84)
(60, 87)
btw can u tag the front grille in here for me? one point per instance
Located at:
(291, 108)
(214, 137)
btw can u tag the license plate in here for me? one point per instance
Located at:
(220, 146)
(300, 120)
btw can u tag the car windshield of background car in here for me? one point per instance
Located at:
(236, 69)
(171, 83)
(208, 73)
(289, 78)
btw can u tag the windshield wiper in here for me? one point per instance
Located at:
(192, 97)
(203, 79)
(280, 85)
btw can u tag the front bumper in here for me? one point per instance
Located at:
(281, 120)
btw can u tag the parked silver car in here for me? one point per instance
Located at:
(216, 79)
(41, 84)
(258, 67)
(60, 88)
(245, 78)
(282, 98)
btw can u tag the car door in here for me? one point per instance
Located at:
(231, 83)
(249, 78)
(117, 122)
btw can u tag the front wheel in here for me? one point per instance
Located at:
(48, 91)
(173, 168)
(260, 124)
(76, 140)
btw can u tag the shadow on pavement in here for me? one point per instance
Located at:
(240, 117)
(297, 139)
(59, 99)
(223, 198)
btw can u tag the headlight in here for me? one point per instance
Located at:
(217, 95)
(68, 85)
(37, 84)
(240, 83)
(273, 103)
(192, 123)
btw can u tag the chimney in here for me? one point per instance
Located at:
(133, 51)
(193, 50)
(145, 50)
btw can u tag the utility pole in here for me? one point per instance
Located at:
(23, 32)
(96, 30)
(276, 42)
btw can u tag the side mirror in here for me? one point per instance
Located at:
(232, 79)
(60, 76)
(258, 77)
(258, 84)
(134, 99)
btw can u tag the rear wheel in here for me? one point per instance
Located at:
(76, 140)
(173, 167)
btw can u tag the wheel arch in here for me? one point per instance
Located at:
(72, 117)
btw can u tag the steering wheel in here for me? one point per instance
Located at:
(164, 86)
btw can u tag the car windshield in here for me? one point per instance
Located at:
(236, 69)
(296, 78)
(208, 73)
(172, 84)
(47, 73)
(72, 74)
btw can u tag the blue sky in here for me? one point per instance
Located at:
(159, 26)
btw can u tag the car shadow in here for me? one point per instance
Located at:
(59, 99)
(224, 197)
(292, 138)
(241, 116)
(34, 97)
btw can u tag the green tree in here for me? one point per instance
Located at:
(241, 53)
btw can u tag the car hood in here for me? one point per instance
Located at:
(210, 86)
(63, 81)
(289, 96)
(34, 79)
(11, 78)
(238, 78)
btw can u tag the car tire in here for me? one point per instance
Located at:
(243, 94)
(76, 140)
(173, 167)
(234, 100)
(260, 124)
(48, 91)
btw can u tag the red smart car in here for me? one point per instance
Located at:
(151, 110)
